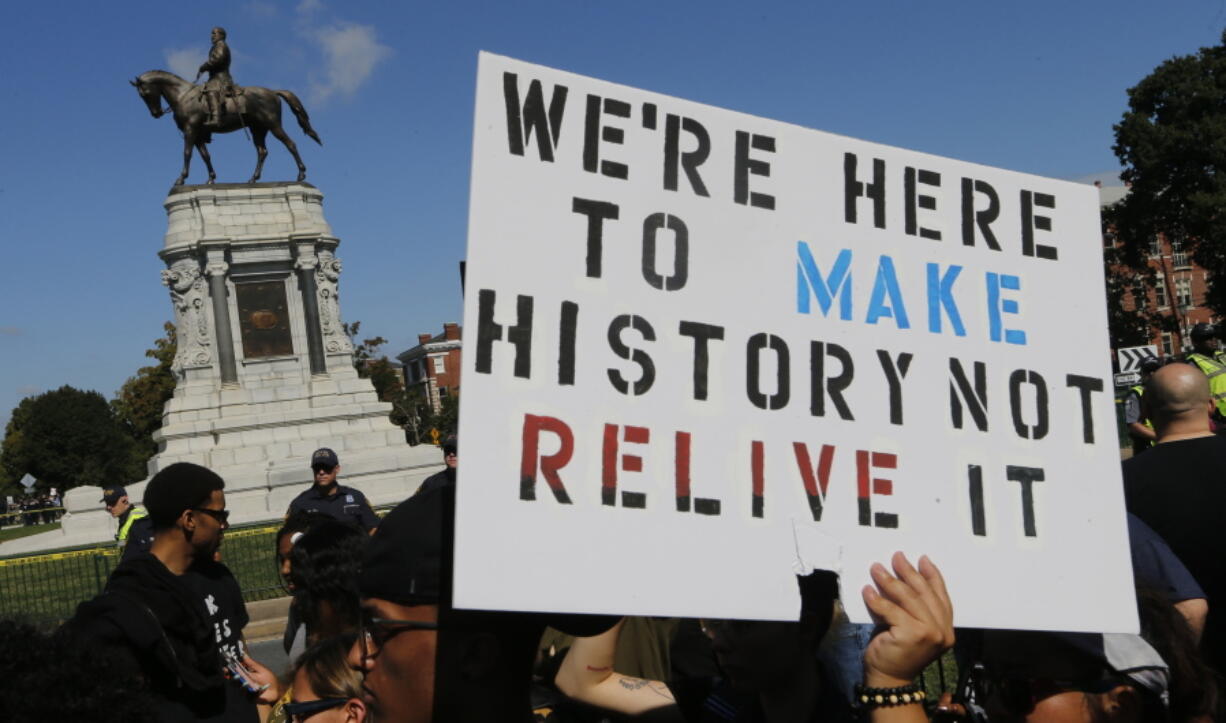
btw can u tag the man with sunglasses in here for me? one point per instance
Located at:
(175, 616)
(424, 661)
(335, 500)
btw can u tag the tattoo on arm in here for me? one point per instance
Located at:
(654, 686)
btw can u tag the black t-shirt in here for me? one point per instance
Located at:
(222, 601)
(1177, 488)
(347, 505)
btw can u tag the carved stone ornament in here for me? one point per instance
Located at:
(189, 294)
(327, 277)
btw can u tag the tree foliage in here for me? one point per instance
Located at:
(1172, 142)
(140, 401)
(410, 409)
(65, 438)
(1130, 318)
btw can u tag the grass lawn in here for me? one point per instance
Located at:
(12, 533)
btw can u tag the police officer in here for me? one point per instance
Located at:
(135, 533)
(1204, 355)
(451, 458)
(335, 500)
(1139, 427)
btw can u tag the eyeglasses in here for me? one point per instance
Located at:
(375, 632)
(322, 468)
(222, 516)
(298, 712)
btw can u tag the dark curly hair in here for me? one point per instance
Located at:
(300, 521)
(324, 569)
(55, 677)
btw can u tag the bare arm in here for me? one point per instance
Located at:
(1194, 611)
(1137, 430)
(587, 675)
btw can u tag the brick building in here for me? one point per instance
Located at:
(1179, 283)
(434, 365)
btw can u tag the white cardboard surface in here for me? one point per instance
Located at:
(518, 547)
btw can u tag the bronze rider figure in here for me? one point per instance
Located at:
(219, 83)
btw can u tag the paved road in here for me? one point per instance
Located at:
(270, 653)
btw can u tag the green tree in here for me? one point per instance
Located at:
(65, 438)
(373, 365)
(140, 401)
(1130, 317)
(1172, 142)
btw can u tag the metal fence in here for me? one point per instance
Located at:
(46, 587)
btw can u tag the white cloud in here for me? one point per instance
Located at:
(351, 53)
(309, 7)
(185, 62)
(261, 9)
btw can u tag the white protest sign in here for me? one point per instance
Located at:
(706, 350)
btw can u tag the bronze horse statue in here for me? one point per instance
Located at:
(256, 108)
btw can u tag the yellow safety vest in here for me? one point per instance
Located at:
(1140, 390)
(134, 514)
(1216, 371)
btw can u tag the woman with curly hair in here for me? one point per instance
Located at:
(323, 574)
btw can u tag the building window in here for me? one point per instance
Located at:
(1178, 256)
(1160, 291)
(439, 366)
(1167, 349)
(1155, 246)
(1183, 292)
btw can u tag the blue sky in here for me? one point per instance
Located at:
(1033, 87)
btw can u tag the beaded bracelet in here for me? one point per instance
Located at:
(887, 697)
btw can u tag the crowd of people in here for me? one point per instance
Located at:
(372, 634)
(31, 509)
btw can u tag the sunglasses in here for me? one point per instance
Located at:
(373, 632)
(222, 516)
(301, 711)
(322, 468)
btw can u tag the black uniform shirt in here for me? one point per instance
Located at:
(347, 505)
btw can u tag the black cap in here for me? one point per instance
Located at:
(1149, 366)
(1203, 331)
(324, 457)
(408, 561)
(451, 445)
(411, 551)
(111, 495)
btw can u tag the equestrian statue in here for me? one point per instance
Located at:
(220, 106)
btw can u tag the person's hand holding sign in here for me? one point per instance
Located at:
(916, 625)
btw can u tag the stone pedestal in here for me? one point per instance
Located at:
(264, 371)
